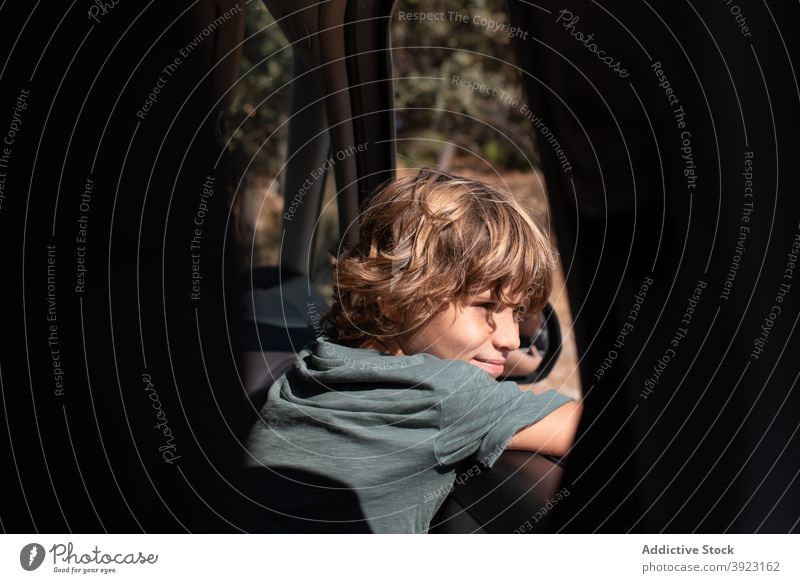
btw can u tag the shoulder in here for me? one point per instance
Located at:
(338, 362)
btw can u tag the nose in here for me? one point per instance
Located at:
(505, 336)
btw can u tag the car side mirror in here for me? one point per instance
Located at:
(539, 348)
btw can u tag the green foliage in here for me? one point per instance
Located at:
(428, 54)
(430, 109)
(262, 95)
(495, 153)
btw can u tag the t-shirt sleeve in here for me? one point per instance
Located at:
(481, 417)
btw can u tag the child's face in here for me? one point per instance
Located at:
(482, 332)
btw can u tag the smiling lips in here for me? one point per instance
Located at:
(493, 366)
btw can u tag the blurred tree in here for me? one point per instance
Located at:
(427, 54)
(262, 94)
(255, 133)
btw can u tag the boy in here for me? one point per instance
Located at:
(425, 312)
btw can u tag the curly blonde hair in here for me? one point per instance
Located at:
(427, 240)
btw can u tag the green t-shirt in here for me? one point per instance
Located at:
(389, 428)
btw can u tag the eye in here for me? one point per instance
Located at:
(488, 306)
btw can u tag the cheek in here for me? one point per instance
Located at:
(468, 333)
(450, 336)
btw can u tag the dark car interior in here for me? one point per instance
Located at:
(608, 216)
(689, 414)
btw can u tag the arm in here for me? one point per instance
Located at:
(552, 435)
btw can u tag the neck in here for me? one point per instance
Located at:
(389, 346)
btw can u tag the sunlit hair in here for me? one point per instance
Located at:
(429, 239)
